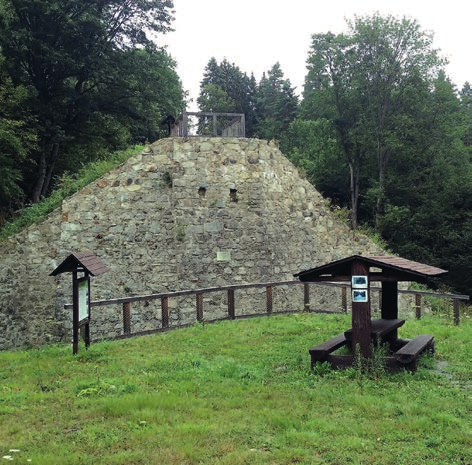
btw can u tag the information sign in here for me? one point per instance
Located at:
(84, 298)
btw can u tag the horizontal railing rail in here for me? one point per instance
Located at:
(209, 124)
(269, 304)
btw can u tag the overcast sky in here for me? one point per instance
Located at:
(255, 34)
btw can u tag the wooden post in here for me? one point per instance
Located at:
(269, 299)
(215, 126)
(87, 335)
(75, 313)
(200, 306)
(418, 306)
(344, 299)
(231, 309)
(165, 312)
(457, 314)
(185, 125)
(389, 303)
(127, 318)
(306, 297)
(361, 323)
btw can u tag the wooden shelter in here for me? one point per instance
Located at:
(90, 265)
(360, 272)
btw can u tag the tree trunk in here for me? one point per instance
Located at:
(354, 189)
(382, 160)
(41, 175)
(379, 207)
(50, 169)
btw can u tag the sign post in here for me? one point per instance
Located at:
(90, 265)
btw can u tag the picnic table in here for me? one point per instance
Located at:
(405, 352)
(382, 330)
(360, 271)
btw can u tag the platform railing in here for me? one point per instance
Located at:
(234, 312)
(198, 124)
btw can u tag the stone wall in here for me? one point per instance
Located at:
(183, 214)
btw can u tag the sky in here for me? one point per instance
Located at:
(255, 34)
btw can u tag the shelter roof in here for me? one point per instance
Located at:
(382, 268)
(83, 261)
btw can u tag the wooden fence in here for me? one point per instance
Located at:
(232, 312)
(209, 124)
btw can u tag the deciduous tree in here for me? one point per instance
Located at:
(71, 53)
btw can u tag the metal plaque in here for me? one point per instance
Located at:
(223, 256)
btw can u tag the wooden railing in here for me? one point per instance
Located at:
(199, 294)
(209, 124)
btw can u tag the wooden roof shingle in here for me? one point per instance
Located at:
(85, 261)
(395, 268)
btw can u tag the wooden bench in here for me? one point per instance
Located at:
(409, 353)
(320, 352)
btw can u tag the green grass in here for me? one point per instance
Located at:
(236, 392)
(66, 186)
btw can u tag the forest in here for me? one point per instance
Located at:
(379, 129)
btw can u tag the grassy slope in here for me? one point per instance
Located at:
(234, 393)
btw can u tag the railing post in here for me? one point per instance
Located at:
(344, 299)
(127, 318)
(200, 306)
(306, 297)
(185, 125)
(457, 314)
(418, 306)
(215, 126)
(165, 311)
(231, 309)
(269, 299)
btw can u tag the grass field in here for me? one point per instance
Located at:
(236, 392)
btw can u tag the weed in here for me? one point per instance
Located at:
(322, 369)
(180, 232)
(372, 367)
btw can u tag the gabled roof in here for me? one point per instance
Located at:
(391, 268)
(83, 261)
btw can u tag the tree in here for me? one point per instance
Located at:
(225, 88)
(330, 93)
(313, 147)
(360, 81)
(466, 105)
(392, 56)
(429, 186)
(67, 52)
(15, 138)
(276, 104)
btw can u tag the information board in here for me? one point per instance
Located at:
(84, 298)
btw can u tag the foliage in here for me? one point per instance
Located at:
(225, 88)
(384, 134)
(269, 106)
(360, 81)
(276, 104)
(235, 392)
(95, 78)
(15, 138)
